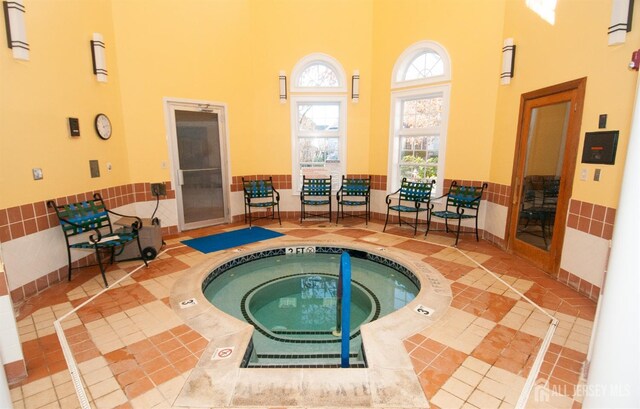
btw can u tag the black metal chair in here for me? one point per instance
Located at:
(463, 202)
(354, 192)
(315, 192)
(413, 197)
(260, 194)
(92, 216)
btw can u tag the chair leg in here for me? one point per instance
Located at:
(428, 223)
(386, 220)
(477, 237)
(102, 269)
(249, 216)
(69, 258)
(279, 220)
(415, 226)
(458, 232)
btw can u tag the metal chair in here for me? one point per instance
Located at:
(354, 192)
(92, 216)
(315, 192)
(463, 202)
(262, 195)
(413, 197)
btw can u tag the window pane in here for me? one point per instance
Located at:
(422, 113)
(419, 157)
(318, 75)
(318, 117)
(315, 151)
(425, 65)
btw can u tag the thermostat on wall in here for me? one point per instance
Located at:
(74, 127)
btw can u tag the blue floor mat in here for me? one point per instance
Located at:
(231, 239)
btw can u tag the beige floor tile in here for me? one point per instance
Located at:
(111, 400)
(148, 400)
(40, 399)
(476, 365)
(65, 389)
(96, 376)
(38, 386)
(457, 388)
(16, 394)
(467, 376)
(69, 402)
(92, 364)
(483, 400)
(445, 400)
(493, 388)
(103, 388)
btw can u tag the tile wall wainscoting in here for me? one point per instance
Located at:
(20, 225)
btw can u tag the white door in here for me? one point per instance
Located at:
(199, 162)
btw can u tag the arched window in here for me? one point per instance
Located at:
(425, 62)
(318, 73)
(318, 119)
(419, 115)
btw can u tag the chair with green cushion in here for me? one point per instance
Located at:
(260, 194)
(354, 192)
(90, 220)
(462, 202)
(412, 197)
(315, 192)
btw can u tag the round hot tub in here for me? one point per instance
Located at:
(303, 306)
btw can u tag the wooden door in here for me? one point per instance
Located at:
(544, 167)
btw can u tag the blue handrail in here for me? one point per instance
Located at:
(344, 284)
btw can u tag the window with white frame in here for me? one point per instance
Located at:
(318, 119)
(419, 113)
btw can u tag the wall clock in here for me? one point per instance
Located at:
(103, 126)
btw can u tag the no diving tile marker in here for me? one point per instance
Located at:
(222, 353)
(422, 310)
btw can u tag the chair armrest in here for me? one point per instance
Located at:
(92, 238)
(136, 225)
(388, 198)
(277, 194)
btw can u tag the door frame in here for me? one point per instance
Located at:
(170, 105)
(551, 262)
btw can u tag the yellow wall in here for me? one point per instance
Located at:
(575, 47)
(37, 96)
(471, 32)
(232, 50)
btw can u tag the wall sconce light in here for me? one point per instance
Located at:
(16, 31)
(355, 86)
(508, 61)
(283, 87)
(98, 57)
(621, 17)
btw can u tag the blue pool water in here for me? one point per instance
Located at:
(291, 301)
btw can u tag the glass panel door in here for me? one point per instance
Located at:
(544, 167)
(200, 171)
(542, 174)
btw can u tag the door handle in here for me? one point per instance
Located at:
(180, 177)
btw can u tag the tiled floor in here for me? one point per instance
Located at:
(133, 351)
